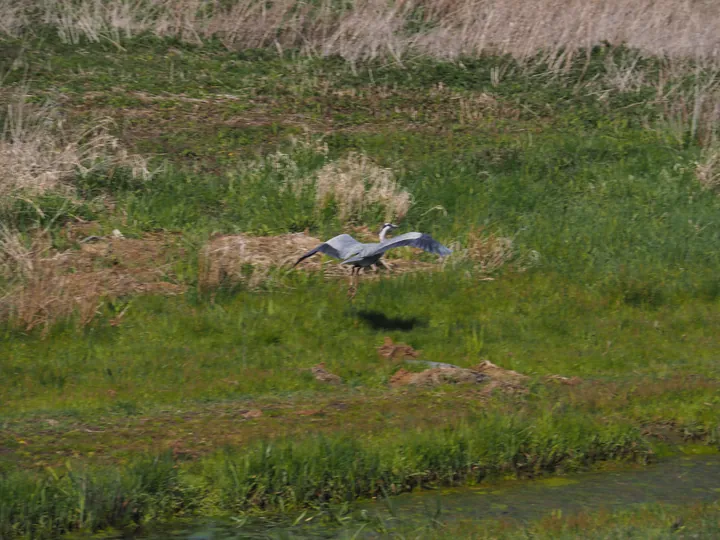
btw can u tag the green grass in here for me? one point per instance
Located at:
(614, 280)
(318, 471)
(170, 350)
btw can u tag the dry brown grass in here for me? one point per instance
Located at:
(372, 28)
(497, 378)
(707, 170)
(547, 33)
(251, 259)
(487, 251)
(38, 153)
(436, 377)
(355, 183)
(45, 285)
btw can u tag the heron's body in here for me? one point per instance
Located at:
(360, 255)
(363, 261)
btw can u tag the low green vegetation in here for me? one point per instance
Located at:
(586, 245)
(317, 471)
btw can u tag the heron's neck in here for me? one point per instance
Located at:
(383, 232)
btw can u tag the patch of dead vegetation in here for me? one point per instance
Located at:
(353, 184)
(249, 259)
(495, 377)
(487, 251)
(500, 374)
(707, 170)
(376, 28)
(39, 153)
(50, 285)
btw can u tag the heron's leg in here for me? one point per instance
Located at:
(353, 288)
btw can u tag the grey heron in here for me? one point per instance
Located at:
(360, 255)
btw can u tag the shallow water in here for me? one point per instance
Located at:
(675, 481)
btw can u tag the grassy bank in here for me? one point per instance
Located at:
(577, 188)
(318, 471)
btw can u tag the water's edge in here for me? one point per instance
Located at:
(674, 481)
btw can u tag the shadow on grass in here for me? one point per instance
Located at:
(379, 321)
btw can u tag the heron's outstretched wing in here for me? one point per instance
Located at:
(415, 239)
(340, 247)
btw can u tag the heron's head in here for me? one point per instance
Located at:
(386, 228)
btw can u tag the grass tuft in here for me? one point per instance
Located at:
(354, 183)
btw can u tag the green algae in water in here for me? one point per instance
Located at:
(699, 450)
(557, 481)
(680, 481)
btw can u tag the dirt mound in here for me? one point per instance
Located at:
(495, 377)
(396, 351)
(486, 372)
(437, 376)
(323, 375)
(497, 373)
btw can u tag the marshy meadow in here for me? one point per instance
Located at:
(164, 163)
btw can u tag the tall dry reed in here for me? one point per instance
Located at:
(372, 28)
